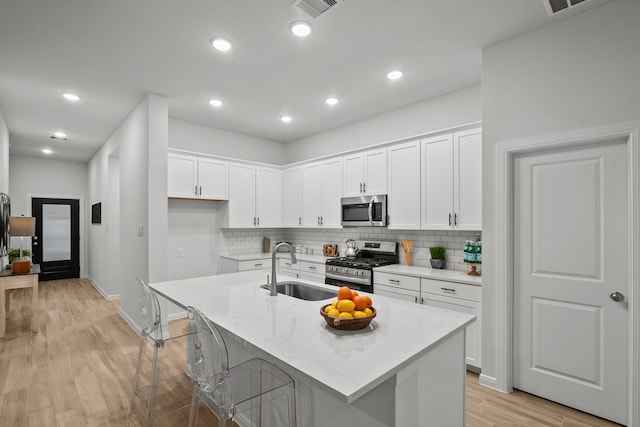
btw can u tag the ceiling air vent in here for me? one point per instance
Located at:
(315, 8)
(557, 6)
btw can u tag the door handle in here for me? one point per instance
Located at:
(616, 296)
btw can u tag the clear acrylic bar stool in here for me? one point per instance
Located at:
(152, 334)
(255, 392)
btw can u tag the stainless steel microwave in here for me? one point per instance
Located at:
(364, 211)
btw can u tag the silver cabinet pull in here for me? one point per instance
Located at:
(448, 290)
(299, 220)
(200, 190)
(617, 296)
(258, 220)
(254, 220)
(318, 220)
(257, 265)
(361, 187)
(311, 267)
(364, 187)
(455, 219)
(449, 219)
(394, 281)
(196, 190)
(321, 221)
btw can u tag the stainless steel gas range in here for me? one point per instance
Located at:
(357, 272)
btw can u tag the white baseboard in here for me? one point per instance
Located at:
(178, 315)
(102, 292)
(130, 321)
(490, 382)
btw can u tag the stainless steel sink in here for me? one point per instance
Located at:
(302, 291)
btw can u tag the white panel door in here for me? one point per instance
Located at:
(311, 195)
(570, 255)
(292, 197)
(404, 186)
(268, 197)
(182, 176)
(437, 191)
(213, 179)
(467, 180)
(331, 193)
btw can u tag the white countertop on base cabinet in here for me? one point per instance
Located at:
(430, 273)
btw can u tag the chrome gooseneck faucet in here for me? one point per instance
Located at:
(274, 282)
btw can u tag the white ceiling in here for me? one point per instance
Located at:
(113, 52)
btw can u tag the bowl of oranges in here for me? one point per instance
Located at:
(350, 311)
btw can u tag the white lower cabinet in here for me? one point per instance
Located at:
(454, 296)
(230, 264)
(308, 270)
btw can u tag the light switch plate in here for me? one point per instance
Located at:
(141, 230)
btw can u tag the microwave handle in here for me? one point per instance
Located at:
(371, 210)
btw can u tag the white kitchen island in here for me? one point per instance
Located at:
(406, 369)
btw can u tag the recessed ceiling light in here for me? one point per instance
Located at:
(300, 28)
(286, 119)
(71, 96)
(394, 75)
(331, 101)
(221, 44)
(215, 103)
(47, 151)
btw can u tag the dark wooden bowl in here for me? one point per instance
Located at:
(347, 324)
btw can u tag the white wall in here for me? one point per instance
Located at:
(47, 177)
(4, 155)
(447, 111)
(140, 146)
(576, 73)
(202, 139)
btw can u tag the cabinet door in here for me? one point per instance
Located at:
(331, 193)
(292, 197)
(467, 179)
(437, 191)
(375, 171)
(401, 294)
(472, 332)
(311, 195)
(353, 171)
(213, 179)
(268, 197)
(242, 192)
(404, 186)
(182, 176)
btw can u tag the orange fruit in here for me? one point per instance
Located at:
(360, 302)
(344, 293)
(369, 303)
(354, 294)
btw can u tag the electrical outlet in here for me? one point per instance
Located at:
(180, 252)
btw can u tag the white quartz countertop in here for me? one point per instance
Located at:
(263, 256)
(430, 273)
(347, 363)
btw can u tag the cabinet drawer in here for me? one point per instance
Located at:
(257, 264)
(397, 293)
(397, 281)
(286, 263)
(452, 289)
(312, 267)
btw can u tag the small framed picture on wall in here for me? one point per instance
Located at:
(96, 213)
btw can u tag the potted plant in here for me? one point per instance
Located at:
(437, 256)
(14, 254)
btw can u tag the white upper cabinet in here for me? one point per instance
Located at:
(467, 179)
(193, 177)
(452, 181)
(321, 193)
(404, 186)
(292, 197)
(254, 196)
(365, 173)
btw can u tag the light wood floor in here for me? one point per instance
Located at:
(78, 370)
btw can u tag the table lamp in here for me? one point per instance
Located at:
(21, 226)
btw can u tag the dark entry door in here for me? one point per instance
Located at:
(56, 245)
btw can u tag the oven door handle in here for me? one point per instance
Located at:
(361, 281)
